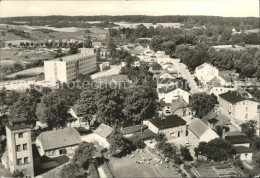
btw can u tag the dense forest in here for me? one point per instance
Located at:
(249, 22)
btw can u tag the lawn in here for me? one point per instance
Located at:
(127, 166)
(30, 72)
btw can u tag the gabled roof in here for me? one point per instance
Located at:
(198, 128)
(59, 138)
(217, 119)
(213, 120)
(168, 122)
(167, 89)
(232, 97)
(103, 130)
(179, 103)
(203, 65)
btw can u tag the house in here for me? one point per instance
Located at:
(206, 70)
(241, 144)
(58, 142)
(96, 44)
(238, 106)
(171, 126)
(175, 94)
(199, 132)
(101, 135)
(178, 106)
(212, 119)
(210, 81)
(217, 90)
(141, 131)
(164, 75)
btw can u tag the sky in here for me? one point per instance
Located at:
(226, 8)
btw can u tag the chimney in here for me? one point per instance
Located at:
(258, 119)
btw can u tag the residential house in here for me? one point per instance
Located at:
(206, 70)
(199, 132)
(178, 106)
(238, 106)
(141, 131)
(212, 120)
(241, 144)
(171, 126)
(217, 90)
(101, 135)
(58, 142)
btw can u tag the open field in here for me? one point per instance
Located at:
(42, 33)
(127, 166)
(31, 72)
(8, 57)
(229, 47)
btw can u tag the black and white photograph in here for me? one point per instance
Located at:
(129, 88)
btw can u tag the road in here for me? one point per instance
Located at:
(185, 73)
(114, 70)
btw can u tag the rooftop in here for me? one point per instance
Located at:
(198, 128)
(243, 149)
(232, 96)
(133, 129)
(168, 121)
(237, 139)
(59, 138)
(103, 130)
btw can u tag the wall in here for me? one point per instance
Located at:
(246, 157)
(173, 132)
(101, 141)
(243, 108)
(193, 139)
(175, 94)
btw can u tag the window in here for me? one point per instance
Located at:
(26, 160)
(246, 116)
(25, 147)
(246, 108)
(20, 135)
(18, 147)
(19, 161)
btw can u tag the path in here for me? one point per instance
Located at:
(101, 172)
(185, 73)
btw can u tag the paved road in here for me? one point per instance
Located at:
(114, 70)
(185, 73)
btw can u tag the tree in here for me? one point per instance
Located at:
(156, 66)
(118, 143)
(18, 66)
(54, 111)
(168, 47)
(218, 149)
(202, 103)
(167, 149)
(156, 43)
(219, 129)
(72, 171)
(88, 43)
(201, 149)
(249, 129)
(185, 153)
(256, 159)
(2, 97)
(256, 144)
(84, 154)
(140, 103)
(111, 44)
(25, 107)
(73, 49)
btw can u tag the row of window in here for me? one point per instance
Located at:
(21, 161)
(19, 147)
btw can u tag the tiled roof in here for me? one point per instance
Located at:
(213, 120)
(177, 104)
(59, 138)
(168, 121)
(232, 96)
(237, 139)
(145, 134)
(103, 130)
(167, 89)
(197, 127)
(133, 129)
(243, 149)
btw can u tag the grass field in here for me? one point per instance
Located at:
(31, 72)
(8, 57)
(127, 167)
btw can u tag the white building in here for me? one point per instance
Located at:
(69, 67)
(101, 135)
(199, 132)
(206, 70)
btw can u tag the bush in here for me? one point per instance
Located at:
(92, 171)
(185, 153)
(18, 173)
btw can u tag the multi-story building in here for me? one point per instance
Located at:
(238, 106)
(206, 70)
(68, 68)
(19, 146)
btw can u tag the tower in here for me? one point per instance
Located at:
(19, 146)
